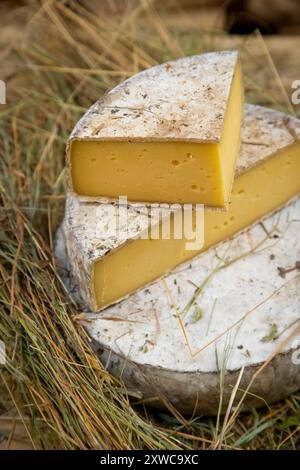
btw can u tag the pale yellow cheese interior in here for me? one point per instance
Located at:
(179, 172)
(255, 193)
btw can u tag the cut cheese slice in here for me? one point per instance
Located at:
(244, 315)
(109, 267)
(168, 134)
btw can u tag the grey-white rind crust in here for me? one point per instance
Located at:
(184, 99)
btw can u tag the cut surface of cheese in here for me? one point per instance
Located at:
(108, 268)
(168, 134)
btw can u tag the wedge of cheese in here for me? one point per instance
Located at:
(168, 134)
(107, 267)
(244, 315)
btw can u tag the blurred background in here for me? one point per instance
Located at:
(232, 16)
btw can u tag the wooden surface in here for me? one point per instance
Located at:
(13, 434)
